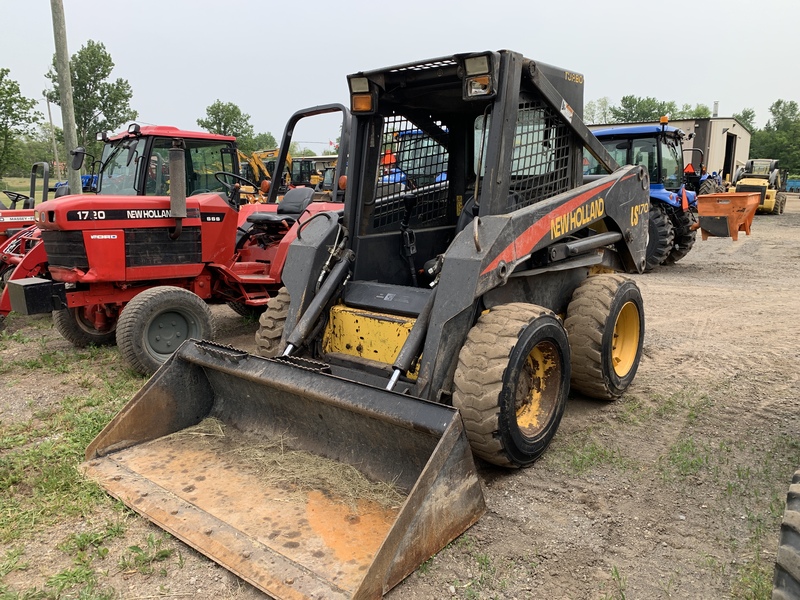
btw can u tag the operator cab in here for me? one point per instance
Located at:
(136, 163)
(657, 150)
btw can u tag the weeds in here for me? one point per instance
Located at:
(142, 560)
(582, 453)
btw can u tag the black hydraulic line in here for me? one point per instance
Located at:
(326, 291)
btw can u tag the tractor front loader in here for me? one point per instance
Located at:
(427, 323)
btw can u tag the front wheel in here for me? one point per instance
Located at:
(786, 582)
(512, 382)
(660, 237)
(271, 324)
(780, 203)
(154, 323)
(605, 323)
(683, 237)
(79, 326)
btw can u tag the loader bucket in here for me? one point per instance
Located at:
(304, 484)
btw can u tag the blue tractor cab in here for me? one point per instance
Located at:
(659, 149)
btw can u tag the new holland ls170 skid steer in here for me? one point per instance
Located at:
(421, 325)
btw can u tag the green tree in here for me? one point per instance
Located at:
(597, 111)
(260, 141)
(747, 118)
(687, 111)
(225, 118)
(37, 146)
(100, 104)
(633, 109)
(17, 118)
(780, 138)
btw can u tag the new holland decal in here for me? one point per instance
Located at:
(578, 218)
(135, 214)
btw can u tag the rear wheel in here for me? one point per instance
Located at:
(780, 203)
(660, 237)
(271, 324)
(78, 326)
(154, 323)
(786, 583)
(512, 382)
(605, 323)
(708, 186)
(683, 237)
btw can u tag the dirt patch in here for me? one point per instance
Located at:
(674, 491)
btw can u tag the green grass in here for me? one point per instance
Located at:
(39, 480)
(20, 185)
(583, 452)
(144, 559)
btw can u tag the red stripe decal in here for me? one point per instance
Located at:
(528, 239)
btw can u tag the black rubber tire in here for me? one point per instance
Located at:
(5, 276)
(154, 323)
(660, 237)
(496, 381)
(269, 337)
(605, 324)
(70, 323)
(708, 186)
(683, 237)
(245, 310)
(786, 583)
(780, 203)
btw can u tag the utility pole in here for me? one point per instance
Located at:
(65, 91)
(56, 164)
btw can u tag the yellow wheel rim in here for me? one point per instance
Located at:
(538, 389)
(625, 345)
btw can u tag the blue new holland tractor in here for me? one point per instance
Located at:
(659, 149)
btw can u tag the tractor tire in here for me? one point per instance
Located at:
(154, 323)
(780, 203)
(605, 324)
(79, 332)
(512, 383)
(245, 310)
(683, 237)
(786, 582)
(269, 337)
(708, 186)
(660, 237)
(5, 276)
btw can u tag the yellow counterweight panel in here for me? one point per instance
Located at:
(370, 335)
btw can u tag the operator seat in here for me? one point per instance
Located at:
(294, 202)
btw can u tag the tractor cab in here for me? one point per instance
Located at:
(136, 163)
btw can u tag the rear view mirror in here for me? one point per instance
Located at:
(77, 157)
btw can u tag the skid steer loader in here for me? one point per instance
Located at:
(420, 326)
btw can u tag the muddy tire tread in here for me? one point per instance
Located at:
(479, 376)
(271, 324)
(69, 329)
(786, 583)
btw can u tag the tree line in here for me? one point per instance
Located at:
(779, 139)
(101, 104)
(105, 105)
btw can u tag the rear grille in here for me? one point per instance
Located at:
(65, 249)
(152, 246)
(753, 188)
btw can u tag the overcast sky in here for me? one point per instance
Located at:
(273, 58)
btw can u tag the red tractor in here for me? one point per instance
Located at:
(138, 267)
